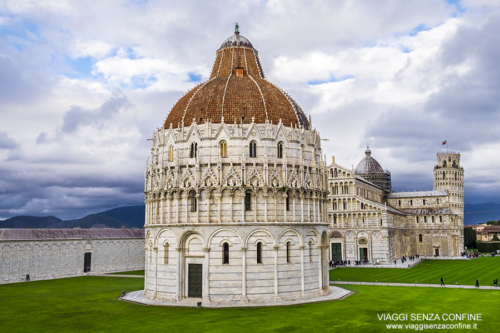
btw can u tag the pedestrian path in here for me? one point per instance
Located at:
(400, 264)
(337, 293)
(456, 286)
(122, 275)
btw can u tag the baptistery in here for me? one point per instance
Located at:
(236, 192)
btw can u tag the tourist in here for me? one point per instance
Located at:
(442, 282)
(495, 282)
(477, 283)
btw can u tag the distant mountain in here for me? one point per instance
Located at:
(481, 213)
(130, 217)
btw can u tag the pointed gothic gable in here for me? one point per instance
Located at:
(254, 175)
(188, 179)
(275, 179)
(232, 178)
(294, 179)
(209, 178)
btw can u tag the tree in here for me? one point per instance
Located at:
(492, 223)
(495, 238)
(470, 238)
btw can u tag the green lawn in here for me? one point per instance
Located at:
(139, 272)
(89, 304)
(464, 272)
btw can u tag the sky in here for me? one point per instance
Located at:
(83, 85)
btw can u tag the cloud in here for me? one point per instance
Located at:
(7, 142)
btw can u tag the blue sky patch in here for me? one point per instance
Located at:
(331, 79)
(81, 67)
(194, 77)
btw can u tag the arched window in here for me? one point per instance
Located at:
(455, 176)
(449, 159)
(334, 219)
(171, 154)
(253, 149)
(411, 202)
(194, 150)
(335, 173)
(444, 174)
(165, 253)
(423, 201)
(280, 149)
(437, 201)
(425, 219)
(417, 219)
(223, 149)
(288, 256)
(310, 251)
(192, 201)
(432, 218)
(440, 218)
(334, 205)
(225, 253)
(420, 238)
(362, 206)
(399, 202)
(287, 201)
(259, 253)
(248, 201)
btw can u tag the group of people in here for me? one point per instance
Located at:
(405, 259)
(495, 282)
(338, 263)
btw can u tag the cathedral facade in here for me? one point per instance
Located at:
(369, 221)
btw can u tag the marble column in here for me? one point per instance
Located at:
(206, 276)
(244, 274)
(276, 291)
(302, 278)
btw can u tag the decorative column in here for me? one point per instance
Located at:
(243, 207)
(219, 195)
(178, 199)
(320, 267)
(294, 219)
(314, 209)
(206, 276)
(155, 263)
(197, 196)
(302, 278)
(309, 209)
(178, 275)
(187, 208)
(231, 200)
(265, 206)
(208, 206)
(275, 204)
(255, 207)
(244, 274)
(276, 247)
(161, 208)
(285, 196)
(301, 208)
(169, 218)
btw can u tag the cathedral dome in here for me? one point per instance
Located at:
(368, 164)
(236, 91)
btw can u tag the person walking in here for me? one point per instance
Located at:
(442, 282)
(477, 283)
(495, 282)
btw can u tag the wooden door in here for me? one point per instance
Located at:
(195, 280)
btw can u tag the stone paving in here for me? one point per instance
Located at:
(136, 297)
(456, 286)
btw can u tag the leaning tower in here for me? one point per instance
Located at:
(449, 175)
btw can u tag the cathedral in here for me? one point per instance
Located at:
(242, 206)
(367, 221)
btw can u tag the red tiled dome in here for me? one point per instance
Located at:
(236, 90)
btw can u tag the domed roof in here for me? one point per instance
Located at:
(368, 164)
(233, 41)
(237, 90)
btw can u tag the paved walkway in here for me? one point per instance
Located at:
(400, 264)
(136, 297)
(121, 275)
(459, 286)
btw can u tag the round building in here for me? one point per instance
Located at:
(236, 192)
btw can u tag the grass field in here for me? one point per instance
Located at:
(89, 304)
(139, 272)
(462, 272)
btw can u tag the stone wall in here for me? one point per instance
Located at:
(49, 259)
